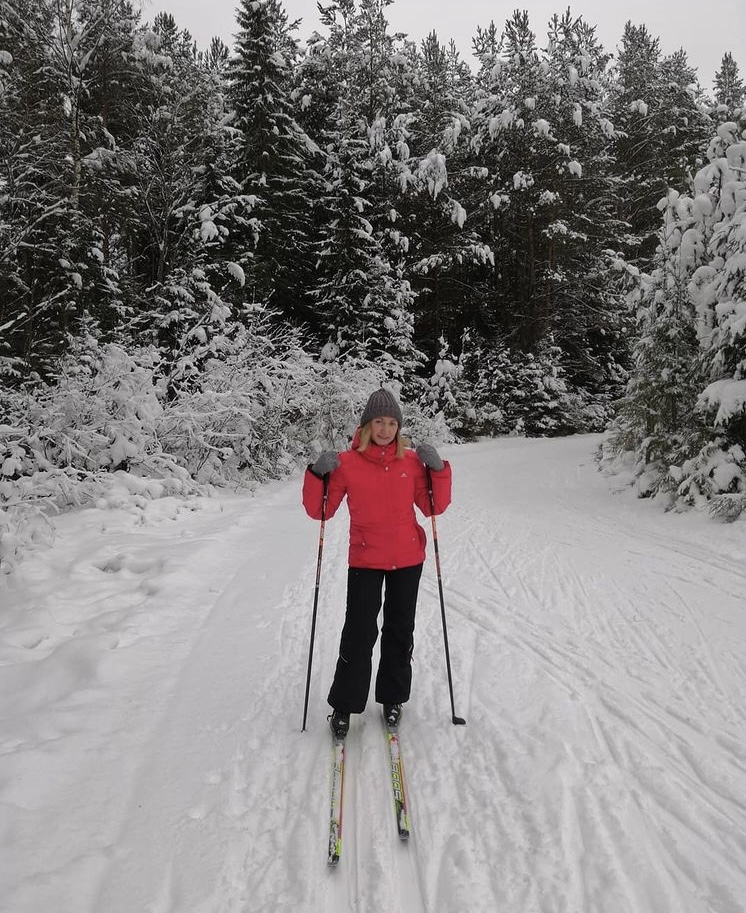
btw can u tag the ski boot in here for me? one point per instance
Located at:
(392, 715)
(339, 723)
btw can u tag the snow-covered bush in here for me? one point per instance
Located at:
(258, 408)
(233, 420)
(101, 416)
(526, 393)
(717, 471)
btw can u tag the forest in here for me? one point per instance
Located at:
(208, 257)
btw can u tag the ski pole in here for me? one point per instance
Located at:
(456, 720)
(316, 596)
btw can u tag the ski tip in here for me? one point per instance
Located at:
(458, 721)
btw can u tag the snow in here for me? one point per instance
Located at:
(728, 396)
(458, 213)
(692, 248)
(208, 230)
(152, 672)
(523, 180)
(237, 271)
(433, 172)
(702, 205)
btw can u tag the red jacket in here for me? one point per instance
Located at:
(381, 490)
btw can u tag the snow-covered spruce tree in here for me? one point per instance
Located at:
(514, 392)
(683, 420)
(361, 302)
(275, 160)
(366, 302)
(656, 418)
(718, 290)
(543, 134)
(661, 125)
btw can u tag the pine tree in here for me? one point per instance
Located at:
(543, 133)
(217, 56)
(661, 127)
(448, 256)
(188, 208)
(363, 302)
(729, 88)
(55, 140)
(32, 208)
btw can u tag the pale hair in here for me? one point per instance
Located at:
(365, 433)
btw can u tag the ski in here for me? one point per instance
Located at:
(397, 782)
(335, 813)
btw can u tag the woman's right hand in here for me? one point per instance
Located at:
(325, 463)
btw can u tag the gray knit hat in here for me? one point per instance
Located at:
(381, 403)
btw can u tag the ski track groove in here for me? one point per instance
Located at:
(581, 674)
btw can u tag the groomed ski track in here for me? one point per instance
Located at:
(599, 657)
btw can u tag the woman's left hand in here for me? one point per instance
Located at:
(429, 456)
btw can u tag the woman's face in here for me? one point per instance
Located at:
(383, 430)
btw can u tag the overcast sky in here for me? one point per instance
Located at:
(705, 30)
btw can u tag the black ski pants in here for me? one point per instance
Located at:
(349, 691)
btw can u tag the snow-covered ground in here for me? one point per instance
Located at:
(152, 672)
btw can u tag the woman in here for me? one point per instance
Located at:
(382, 480)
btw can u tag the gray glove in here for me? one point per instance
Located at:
(325, 462)
(429, 456)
